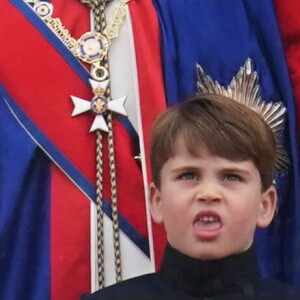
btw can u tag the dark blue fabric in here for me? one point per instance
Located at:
(220, 35)
(24, 214)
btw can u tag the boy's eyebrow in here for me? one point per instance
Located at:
(224, 170)
(185, 168)
(236, 170)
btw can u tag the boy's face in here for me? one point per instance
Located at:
(210, 206)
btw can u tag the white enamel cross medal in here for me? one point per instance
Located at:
(99, 105)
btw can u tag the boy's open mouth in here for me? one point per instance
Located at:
(207, 225)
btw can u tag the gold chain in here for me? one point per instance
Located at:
(92, 47)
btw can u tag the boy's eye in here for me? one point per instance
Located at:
(189, 176)
(232, 177)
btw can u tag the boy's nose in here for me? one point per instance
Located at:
(209, 193)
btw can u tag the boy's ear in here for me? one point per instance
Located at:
(155, 204)
(267, 207)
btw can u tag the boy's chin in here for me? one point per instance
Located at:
(209, 255)
(214, 253)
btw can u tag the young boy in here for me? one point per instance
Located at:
(213, 162)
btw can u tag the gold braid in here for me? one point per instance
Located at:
(99, 209)
(98, 8)
(113, 178)
(114, 204)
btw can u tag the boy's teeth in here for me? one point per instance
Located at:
(208, 219)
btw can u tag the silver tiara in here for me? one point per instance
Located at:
(244, 88)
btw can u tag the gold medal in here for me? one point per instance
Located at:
(92, 46)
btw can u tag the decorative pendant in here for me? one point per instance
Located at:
(99, 105)
(91, 48)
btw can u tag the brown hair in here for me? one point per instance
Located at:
(227, 129)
